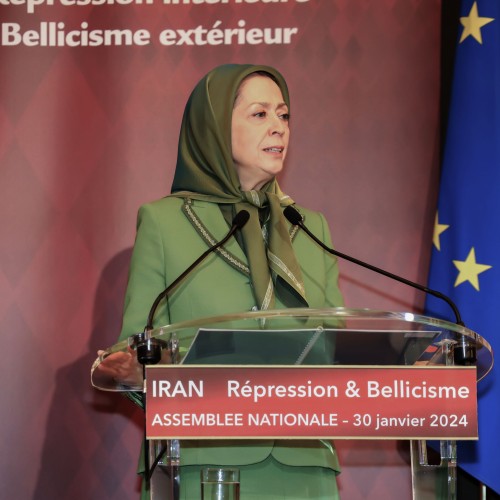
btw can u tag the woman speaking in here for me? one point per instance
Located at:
(233, 143)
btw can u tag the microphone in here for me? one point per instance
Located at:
(147, 353)
(466, 355)
(240, 219)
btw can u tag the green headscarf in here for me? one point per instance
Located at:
(205, 171)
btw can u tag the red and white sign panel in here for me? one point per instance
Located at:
(215, 402)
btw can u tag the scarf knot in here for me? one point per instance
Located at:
(271, 257)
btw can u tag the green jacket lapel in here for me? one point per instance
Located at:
(210, 224)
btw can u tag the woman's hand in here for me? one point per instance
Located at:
(123, 367)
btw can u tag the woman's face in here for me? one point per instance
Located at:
(259, 132)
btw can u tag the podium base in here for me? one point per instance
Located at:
(434, 481)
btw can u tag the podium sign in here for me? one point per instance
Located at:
(311, 402)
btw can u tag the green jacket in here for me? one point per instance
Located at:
(171, 234)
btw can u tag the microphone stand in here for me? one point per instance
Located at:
(466, 352)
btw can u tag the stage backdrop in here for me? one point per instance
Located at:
(91, 98)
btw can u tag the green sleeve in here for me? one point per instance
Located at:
(146, 276)
(145, 282)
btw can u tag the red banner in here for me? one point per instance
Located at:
(216, 402)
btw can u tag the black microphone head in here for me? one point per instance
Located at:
(240, 219)
(293, 215)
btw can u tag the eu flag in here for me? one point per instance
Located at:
(465, 262)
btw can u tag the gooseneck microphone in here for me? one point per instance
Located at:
(295, 218)
(240, 219)
(465, 351)
(149, 349)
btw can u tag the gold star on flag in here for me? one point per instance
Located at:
(473, 23)
(469, 270)
(438, 229)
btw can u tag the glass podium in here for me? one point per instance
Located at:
(333, 337)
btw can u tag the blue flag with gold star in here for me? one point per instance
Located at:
(465, 261)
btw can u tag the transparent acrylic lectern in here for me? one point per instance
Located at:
(338, 336)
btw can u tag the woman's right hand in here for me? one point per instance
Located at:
(123, 367)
